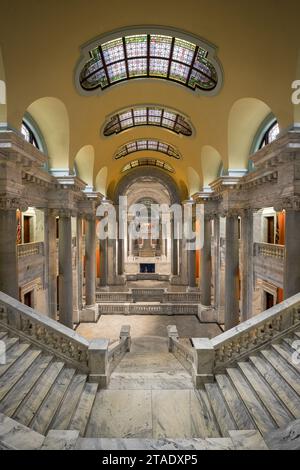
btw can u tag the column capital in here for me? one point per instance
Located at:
(288, 203)
(13, 203)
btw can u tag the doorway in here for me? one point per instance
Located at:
(27, 221)
(269, 298)
(270, 229)
(28, 299)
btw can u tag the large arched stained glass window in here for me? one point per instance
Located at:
(270, 135)
(147, 116)
(148, 162)
(147, 144)
(168, 55)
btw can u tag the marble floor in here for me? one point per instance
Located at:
(109, 326)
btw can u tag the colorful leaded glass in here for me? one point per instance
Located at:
(148, 55)
(148, 162)
(147, 144)
(147, 115)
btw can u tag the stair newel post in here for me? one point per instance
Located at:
(98, 361)
(125, 336)
(204, 361)
(172, 334)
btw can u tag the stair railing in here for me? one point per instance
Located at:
(95, 358)
(117, 350)
(214, 355)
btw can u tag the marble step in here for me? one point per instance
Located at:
(45, 414)
(34, 400)
(290, 344)
(259, 414)
(277, 410)
(223, 416)
(235, 404)
(19, 392)
(247, 440)
(280, 365)
(10, 342)
(287, 438)
(3, 334)
(16, 371)
(69, 403)
(297, 334)
(84, 407)
(278, 385)
(287, 356)
(14, 435)
(211, 428)
(13, 355)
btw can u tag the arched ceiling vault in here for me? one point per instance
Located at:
(258, 46)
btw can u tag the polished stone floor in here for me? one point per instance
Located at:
(108, 326)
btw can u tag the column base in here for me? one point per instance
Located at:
(178, 281)
(89, 314)
(119, 280)
(207, 314)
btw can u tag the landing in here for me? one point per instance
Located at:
(108, 326)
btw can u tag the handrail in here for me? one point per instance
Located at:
(118, 349)
(215, 355)
(89, 357)
(44, 331)
(184, 354)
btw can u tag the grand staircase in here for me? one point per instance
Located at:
(151, 395)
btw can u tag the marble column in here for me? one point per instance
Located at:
(192, 268)
(292, 253)
(174, 241)
(79, 261)
(217, 263)
(205, 264)
(90, 260)
(51, 262)
(65, 271)
(103, 262)
(231, 272)
(247, 264)
(8, 253)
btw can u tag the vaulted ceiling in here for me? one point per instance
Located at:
(258, 46)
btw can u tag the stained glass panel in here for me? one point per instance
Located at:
(153, 55)
(148, 116)
(144, 144)
(147, 162)
(160, 46)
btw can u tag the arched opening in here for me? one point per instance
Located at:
(51, 116)
(211, 161)
(84, 162)
(245, 117)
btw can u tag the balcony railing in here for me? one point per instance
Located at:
(30, 249)
(269, 250)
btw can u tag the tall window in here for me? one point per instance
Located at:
(270, 135)
(29, 135)
(147, 144)
(163, 55)
(147, 116)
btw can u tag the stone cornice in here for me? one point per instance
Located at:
(70, 182)
(13, 146)
(282, 150)
(13, 203)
